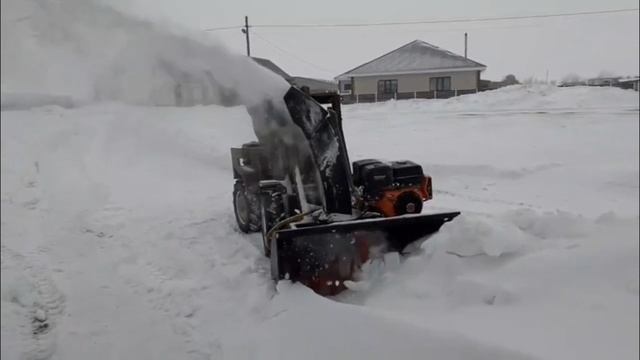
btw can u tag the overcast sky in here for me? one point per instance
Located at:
(586, 45)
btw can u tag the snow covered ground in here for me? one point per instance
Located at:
(119, 242)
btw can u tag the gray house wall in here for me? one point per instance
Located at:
(460, 80)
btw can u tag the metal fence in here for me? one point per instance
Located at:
(433, 94)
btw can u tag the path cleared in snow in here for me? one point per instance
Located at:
(118, 237)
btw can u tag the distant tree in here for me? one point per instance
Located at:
(510, 80)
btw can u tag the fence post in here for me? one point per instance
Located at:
(375, 97)
(455, 92)
(357, 98)
(435, 94)
(415, 94)
(395, 96)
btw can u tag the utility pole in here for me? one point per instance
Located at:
(465, 45)
(245, 31)
(547, 77)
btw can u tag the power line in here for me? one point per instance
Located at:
(441, 21)
(433, 21)
(291, 53)
(224, 28)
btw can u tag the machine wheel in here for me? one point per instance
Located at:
(246, 208)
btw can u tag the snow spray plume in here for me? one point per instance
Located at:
(286, 144)
(90, 52)
(75, 51)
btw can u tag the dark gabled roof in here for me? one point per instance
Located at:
(315, 85)
(414, 57)
(630, 79)
(271, 66)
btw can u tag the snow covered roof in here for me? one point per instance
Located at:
(415, 57)
(315, 85)
(630, 79)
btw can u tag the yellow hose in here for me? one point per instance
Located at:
(288, 221)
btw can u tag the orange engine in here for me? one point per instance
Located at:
(400, 201)
(392, 189)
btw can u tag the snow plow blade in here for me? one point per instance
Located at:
(324, 256)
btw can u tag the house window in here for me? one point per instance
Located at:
(440, 83)
(387, 87)
(347, 87)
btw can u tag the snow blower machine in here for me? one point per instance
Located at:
(321, 217)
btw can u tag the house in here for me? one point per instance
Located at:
(603, 81)
(315, 86)
(572, 83)
(630, 83)
(627, 82)
(415, 70)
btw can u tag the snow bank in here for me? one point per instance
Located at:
(556, 224)
(480, 156)
(89, 52)
(301, 325)
(505, 273)
(543, 97)
(21, 101)
(469, 236)
(521, 98)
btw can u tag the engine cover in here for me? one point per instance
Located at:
(392, 189)
(407, 173)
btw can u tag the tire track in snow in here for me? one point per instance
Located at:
(42, 310)
(486, 200)
(145, 279)
(179, 293)
(164, 296)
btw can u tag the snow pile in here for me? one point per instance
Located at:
(17, 101)
(521, 98)
(543, 97)
(312, 327)
(554, 224)
(482, 157)
(86, 51)
(563, 291)
(489, 239)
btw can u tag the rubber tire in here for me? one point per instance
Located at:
(252, 216)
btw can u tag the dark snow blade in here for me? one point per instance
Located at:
(317, 255)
